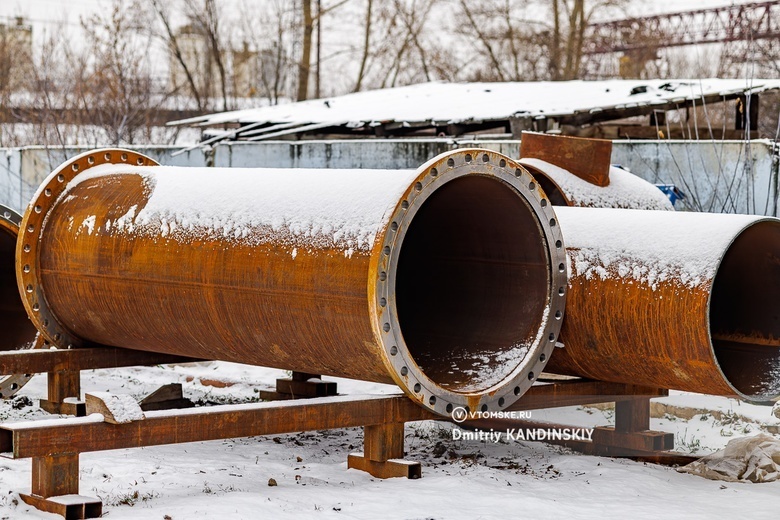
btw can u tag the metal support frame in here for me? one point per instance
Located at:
(55, 446)
(64, 391)
(383, 451)
(630, 437)
(303, 384)
(64, 366)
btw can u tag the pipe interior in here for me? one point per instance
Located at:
(18, 330)
(550, 189)
(745, 312)
(472, 283)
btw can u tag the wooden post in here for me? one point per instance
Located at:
(383, 451)
(62, 385)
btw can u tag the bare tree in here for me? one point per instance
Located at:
(515, 43)
(116, 89)
(275, 46)
(407, 52)
(366, 46)
(171, 39)
(304, 67)
(206, 19)
(307, 25)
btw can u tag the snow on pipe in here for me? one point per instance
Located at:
(575, 171)
(685, 301)
(448, 280)
(18, 331)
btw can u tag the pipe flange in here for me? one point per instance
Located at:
(405, 371)
(9, 218)
(12, 383)
(35, 217)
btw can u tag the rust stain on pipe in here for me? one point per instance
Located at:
(685, 301)
(447, 281)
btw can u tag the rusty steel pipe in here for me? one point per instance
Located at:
(576, 171)
(17, 329)
(447, 280)
(685, 301)
(624, 191)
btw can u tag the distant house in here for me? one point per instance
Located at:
(16, 65)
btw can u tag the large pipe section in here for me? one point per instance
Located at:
(577, 172)
(448, 280)
(624, 191)
(686, 301)
(18, 332)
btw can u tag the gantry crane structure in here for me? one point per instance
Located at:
(749, 33)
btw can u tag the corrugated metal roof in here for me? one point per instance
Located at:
(439, 103)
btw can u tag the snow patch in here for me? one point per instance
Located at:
(340, 209)
(89, 223)
(123, 407)
(649, 247)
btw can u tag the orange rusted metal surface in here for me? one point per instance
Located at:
(588, 159)
(685, 301)
(18, 331)
(558, 163)
(388, 276)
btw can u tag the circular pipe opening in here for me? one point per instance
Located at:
(745, 312)
(550, 188)
(472, 284)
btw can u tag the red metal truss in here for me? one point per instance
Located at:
(743, 22)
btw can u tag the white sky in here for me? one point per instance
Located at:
(44, 13)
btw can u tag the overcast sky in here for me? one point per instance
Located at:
(46, 12)
(49, 15)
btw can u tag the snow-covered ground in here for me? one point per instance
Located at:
(461, 479)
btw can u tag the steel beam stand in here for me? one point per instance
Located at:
(55, 486)
(64, 390)
(64, 366)
(630, 437)
(72, 507)
(631, 431)
(54, 446)
(303, 384)
(383, 451)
